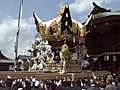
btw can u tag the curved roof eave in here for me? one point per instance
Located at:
(105, 14)
(57, 19)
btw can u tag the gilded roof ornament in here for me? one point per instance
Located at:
(61, 11)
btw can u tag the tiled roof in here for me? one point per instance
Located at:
(3, 57)
(6, 61)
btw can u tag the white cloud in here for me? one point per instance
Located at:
(79, 6)
(108, 1)
(8, 29)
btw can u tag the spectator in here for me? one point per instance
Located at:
(110, 86)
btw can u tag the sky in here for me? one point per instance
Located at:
(46, 10)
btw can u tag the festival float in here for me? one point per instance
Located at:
(63, 41)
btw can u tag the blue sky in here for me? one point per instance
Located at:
(46, 10)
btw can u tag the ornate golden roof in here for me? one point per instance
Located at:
(52, 28)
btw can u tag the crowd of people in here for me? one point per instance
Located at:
(32, 83)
